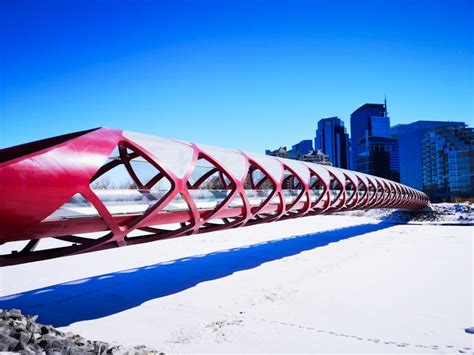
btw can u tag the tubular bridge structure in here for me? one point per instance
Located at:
(106, 188)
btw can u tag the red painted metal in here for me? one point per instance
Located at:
(42, 182)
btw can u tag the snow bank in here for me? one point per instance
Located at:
(436, 214)
(340, 283)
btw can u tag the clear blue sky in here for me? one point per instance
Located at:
(244, 74)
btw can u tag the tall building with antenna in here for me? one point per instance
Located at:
(374, 151)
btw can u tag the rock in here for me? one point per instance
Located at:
(15, 314)
(69, 335)
(77, 351)
(22, 336)
(44, 330)
(7, 343)
(60, 344)
(24, 348)
(469, 330)
(34, 328)
(5, 329)
(20, 323)
(52, 341)
(100, 347)
(54, 352)
(35, 348)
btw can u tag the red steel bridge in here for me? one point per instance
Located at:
(107, 188)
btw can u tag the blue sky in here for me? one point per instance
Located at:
(244, 74)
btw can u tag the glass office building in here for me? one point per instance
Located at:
(373, 149)
(410, 137)
(333, 140)
(448, 163)
(361, 126)
(380, 158)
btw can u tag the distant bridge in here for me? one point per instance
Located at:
(106, 188)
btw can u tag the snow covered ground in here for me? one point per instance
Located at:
(435, 214)
(336, 283)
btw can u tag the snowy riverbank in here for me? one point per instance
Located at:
(336, 283)
(435, 214)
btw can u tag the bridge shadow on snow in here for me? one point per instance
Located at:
(104, 295)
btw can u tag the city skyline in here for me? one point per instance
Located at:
(347, 123)
(227, 72)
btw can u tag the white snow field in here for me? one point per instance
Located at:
(330, 284)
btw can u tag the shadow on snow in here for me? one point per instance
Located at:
(104, 295)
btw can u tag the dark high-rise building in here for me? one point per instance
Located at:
(373, 149)
(300, 149)
(380, 158)
(333, 140)
(395, 131)
(361, 127)
(410, 138)
(448, 163)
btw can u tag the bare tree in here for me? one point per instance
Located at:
(103, 182)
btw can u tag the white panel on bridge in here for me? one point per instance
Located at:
(270, 164)
(175, 155)
(337, 173)
(231, 160)
(299, 168)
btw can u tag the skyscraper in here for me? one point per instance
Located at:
(448, 163)
(410, 138)
(332, 139)
(361, 126)
(373, 149)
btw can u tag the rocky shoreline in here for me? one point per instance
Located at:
(22, 334)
